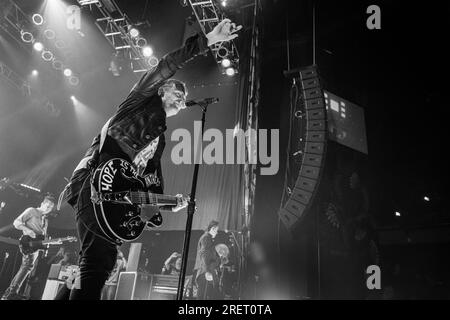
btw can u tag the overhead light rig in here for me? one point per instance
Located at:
(208, 15)
(24, 86)
(116, 27)
(23, 29)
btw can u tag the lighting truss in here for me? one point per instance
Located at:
(208, 15)
(14, 20)
(23, 86)
(14, 79)
(114, 25)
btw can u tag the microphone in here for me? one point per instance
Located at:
(205, 101)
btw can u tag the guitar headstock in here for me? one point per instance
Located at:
(71, 239)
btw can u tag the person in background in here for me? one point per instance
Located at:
(172, 265)
(206, 264)
(32, 222)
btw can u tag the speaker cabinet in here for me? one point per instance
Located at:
(134, 286)
(310, 124)
(51, 289)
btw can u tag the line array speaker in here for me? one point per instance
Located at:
(313, 116)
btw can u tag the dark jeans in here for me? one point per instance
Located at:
(28, 262)
(207, 290)
(97, 255)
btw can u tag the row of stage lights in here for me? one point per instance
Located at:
(227, 64)
(141, 42)
(46, 54)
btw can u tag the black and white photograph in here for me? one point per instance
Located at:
(236, 152)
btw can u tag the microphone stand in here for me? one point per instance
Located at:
(190, 215)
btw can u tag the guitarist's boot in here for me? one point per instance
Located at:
(155, 221)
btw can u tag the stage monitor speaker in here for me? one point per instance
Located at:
(311, 126)
(138, 258)
(55, 269)
(133, 257)
(165, 287)
(51, 289)
(134, 286)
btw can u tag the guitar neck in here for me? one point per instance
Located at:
(153, 199)
(45, 242)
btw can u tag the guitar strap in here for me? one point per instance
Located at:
(103, 134)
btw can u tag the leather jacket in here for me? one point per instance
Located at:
(207, 259)
(141, 118)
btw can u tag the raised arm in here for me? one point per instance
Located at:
(170, 63)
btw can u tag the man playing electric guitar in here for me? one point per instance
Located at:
(33, 222)
(135, 134)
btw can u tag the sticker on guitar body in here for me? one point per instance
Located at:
(108, 177)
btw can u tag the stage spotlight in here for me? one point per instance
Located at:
(58, 65)
(74, 80)
(222, 52)
(397, 214)
(226, 63)
(37, 19)
(26, 36)
(38, 46)
(67, 72)
(427, 199)
(34, 73)
(72, 98)
(230, 72)
(153, 61)
(49, 34)
(47, 55)
(147, 51)
(134, 33)
(60, 44)
(141, 42)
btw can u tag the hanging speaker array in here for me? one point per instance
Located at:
(311, 114)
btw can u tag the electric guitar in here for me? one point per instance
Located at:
(29, 245)
(118, 193)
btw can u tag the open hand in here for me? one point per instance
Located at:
(224, 31)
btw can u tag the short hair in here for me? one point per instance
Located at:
(180, 85)
(49, 197)
(212, 224)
